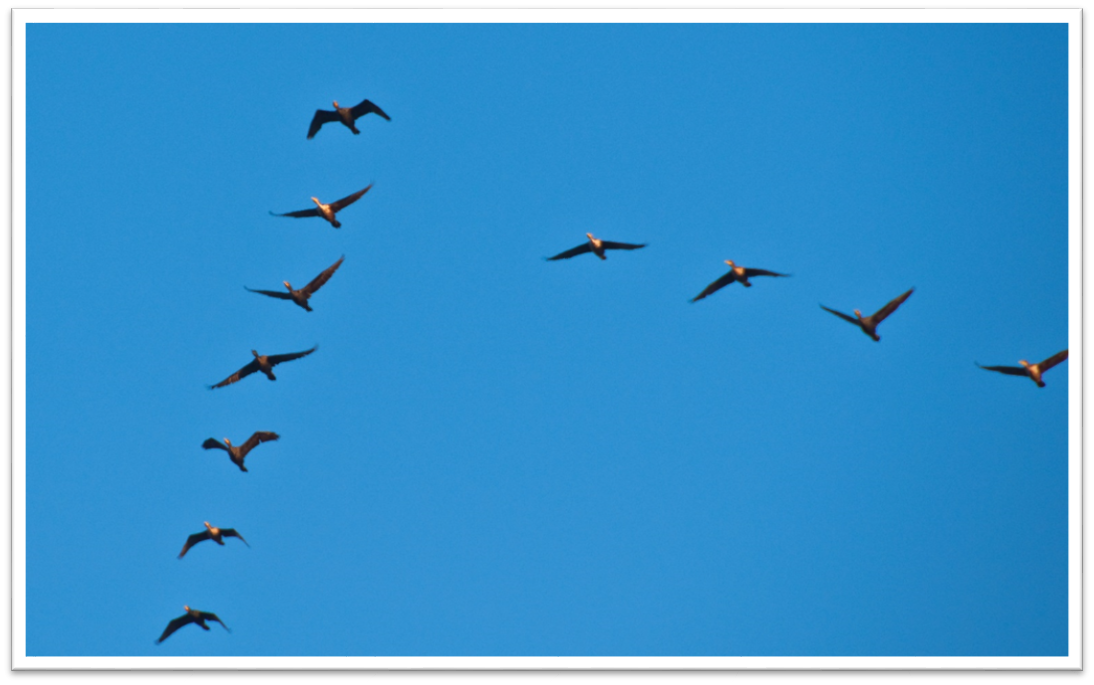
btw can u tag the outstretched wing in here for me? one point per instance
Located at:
(749, 273)
(299, 214)
(193, 540)
(1009, 370)
(322, 116)
(716, 286)
(233, 533)
(609, 245)
(271, 293)
(888, 309)
(175, 625)
(365, 107)
(841, 315)
(254, 440)
(322, 278)
(214, 444)
(210, 616)
(245, 371)
(348, 200)
(278, 358)
(1053, 361)
(580, 249)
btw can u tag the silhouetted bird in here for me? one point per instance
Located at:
(736, 273)
(596, 246)
(191, 616)
(263, 363)
(212, 533)
(327, 211)
(300, 297)
(1033, 371)
(347, 115)
(238, 453)
(869, 324)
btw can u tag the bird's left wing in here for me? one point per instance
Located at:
(366, 106)
(278, 358)
(193, 540)
(349, 200)
(716, 286)
(322, 278)
(233, 533)
(272, 293)
(255, 439)
(175, 625)
(210, 616)
(300, 213)
(749, 273)
(609, 245)
(245, 371)
(322, 116)
(572, 252)
(888, 309)
(1053, 361)
(1009, 370)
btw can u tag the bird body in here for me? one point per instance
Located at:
(191, 616)
(348, 116)
(1032, 371)
(263, 363)
(213, 533)
(736, 274)
(327, 211)
(596, 246)
(869, 324)
(301, 296)
(237, 453)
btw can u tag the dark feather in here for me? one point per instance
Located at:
(348, 200)
(193, 540)
(1053, 361)
(275, 359)
(299, 214)
(716, 286)
(322, 116)
(214, 444)
(749, 273)
(254, 440)
(281, 295)
(242, 373)
(175, 625)
(841, 315)
(322, 278)
(573, 252)
(366, 107)
(879, 316)
(233, 533)
(608, 245)
(1009, 370)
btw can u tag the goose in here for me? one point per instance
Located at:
(735, 273)
(596, 246)
(1033, 371)
(191, 616)
(263, 363)
(212, 533)
(346, 115)
(300, 297)
(869, 324)
(237, 453)
(327, 211)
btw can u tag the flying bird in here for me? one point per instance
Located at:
(263, 363)
(1033, 371)
(735, 273)
(596, 246)
(211, 533)
(869, 324)
(346, 115)
(327, 211)
(191, 616)
(237, 453)
(300, 297)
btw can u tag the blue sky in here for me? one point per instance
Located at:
(494, 455)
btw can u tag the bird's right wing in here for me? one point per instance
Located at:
(322, 116)
(245, 371)
(573, 252)
(1053, 361)
(841, 315)
(175, 625)
(749, 273)
(888, 309)
(271, 293)
(322, 278)
(278, 358)
(366, 106)
(349, 200)
(210, 616)
(1009, 370)
(300, 213)
(254, 440)
(193, 540)
(716, 286)
(233, 533)
(214, 444)
(609, 245)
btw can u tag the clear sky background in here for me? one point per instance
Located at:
(494, 455)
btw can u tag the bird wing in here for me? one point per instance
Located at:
(888, 309)
(1009, 370)
(348, 200)
(322, 116)
(245, 371)
(364, 107)
(210, 616)
(214, 444)
(175, 625)
(841, 315)
(1053, 361)
(749, 273)
(193, 540)
(716, 286)
(300, 213)
(609, 245)
(573, 252)
(252, 442)
(233, 533)
(278, 358)
(271, 293)
(322, 278)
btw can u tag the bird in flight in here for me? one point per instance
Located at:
(300, 297)
(327, 211)
(217, 535)
(191, 616)
(346, 115)
(237, 453)
(263, 363)
(869, 324)
(1033, 371)
(596, 246)
(735, 273)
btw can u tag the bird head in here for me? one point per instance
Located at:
(589, 236)
(227, 442)
(316, 201)
(287, 285)
(731, 263)
(186, 608)
(208, 526)
(335, 103)
(858, 313)
(1024, 363)
(255, 353)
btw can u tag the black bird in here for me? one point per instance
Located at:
(869, 324)
(347, 115)
(1033, 371)
(237, 453)
(191, 616)
(211, 533)
(736, 273)
(300, 297)
(327, 211)
(596, 246)
(263, 363)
